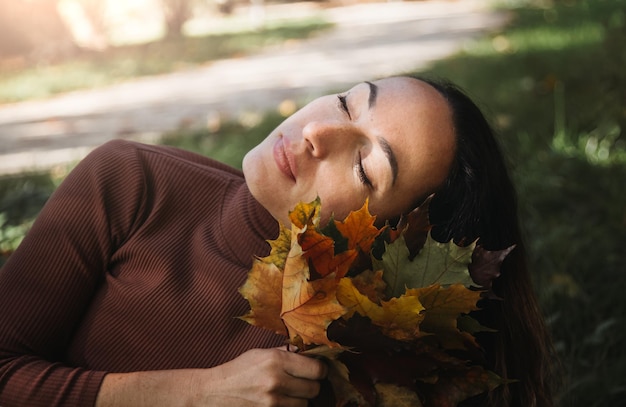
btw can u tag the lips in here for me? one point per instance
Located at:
(284, 161)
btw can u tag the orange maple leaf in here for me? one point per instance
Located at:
(359, 229)
(320, 249)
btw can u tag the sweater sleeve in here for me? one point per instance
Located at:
(50, 280)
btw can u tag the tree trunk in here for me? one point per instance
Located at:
(33, 30)
(176, 14)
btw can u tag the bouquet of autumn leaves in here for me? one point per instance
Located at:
(388, 308)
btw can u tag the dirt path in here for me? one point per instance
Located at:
(370, 40)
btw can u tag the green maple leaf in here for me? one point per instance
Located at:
(436, 263)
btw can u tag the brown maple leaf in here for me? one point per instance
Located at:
(415, 227)
(392, 395)
(371, 284)
(344, 392)
(485, 265)
(461, 384)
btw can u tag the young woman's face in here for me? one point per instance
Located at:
(391, 141)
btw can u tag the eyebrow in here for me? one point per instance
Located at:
(393, 161)
(384, 144)
(371, 100)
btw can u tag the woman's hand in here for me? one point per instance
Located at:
(265, 377)
(259, 377)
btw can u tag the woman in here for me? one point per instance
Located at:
(125, 290)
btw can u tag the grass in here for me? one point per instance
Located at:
(553, 83)
(21, 199)
(230, 143)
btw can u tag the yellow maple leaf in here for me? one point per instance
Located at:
(263, 290)
(399, 318)
(308, 307)
(306, 214)
(279, 248)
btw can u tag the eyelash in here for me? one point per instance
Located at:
(343, 105)
(362, 174)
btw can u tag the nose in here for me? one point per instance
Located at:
(326, 137)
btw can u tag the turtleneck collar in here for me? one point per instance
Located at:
(246, 225)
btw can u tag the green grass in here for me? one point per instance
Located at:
(21, 199)
(553, 82)
(117, 64)
(229, 144)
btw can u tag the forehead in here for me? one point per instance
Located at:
(417, 121)
(411, 90)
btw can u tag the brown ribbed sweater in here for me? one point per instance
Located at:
(133, 264)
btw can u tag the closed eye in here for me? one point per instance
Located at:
(343, 105)
(361, 172)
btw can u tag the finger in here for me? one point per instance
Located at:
(300, 388)
(293, 402)
(305, 367)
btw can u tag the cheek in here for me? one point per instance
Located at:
(400, 200)
(340, 201)
(339, 189)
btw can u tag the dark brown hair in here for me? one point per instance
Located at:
(478, 200)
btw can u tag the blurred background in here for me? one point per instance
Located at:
(215, 76)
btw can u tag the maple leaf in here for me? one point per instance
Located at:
(308, 307)
(359, 229)
(320, 250)
(404, 306)
(399, 318)
(415, 227)
(263, 290)
(339, 377)
(371, 284)
(436, 263)
(306, 214)
(461, 384)
(485, 266)
(392, 395)
(468, 324)
(279, 248)
(443, 305)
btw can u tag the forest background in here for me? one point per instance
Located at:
(552, 81)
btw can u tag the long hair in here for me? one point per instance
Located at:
(478, 200)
